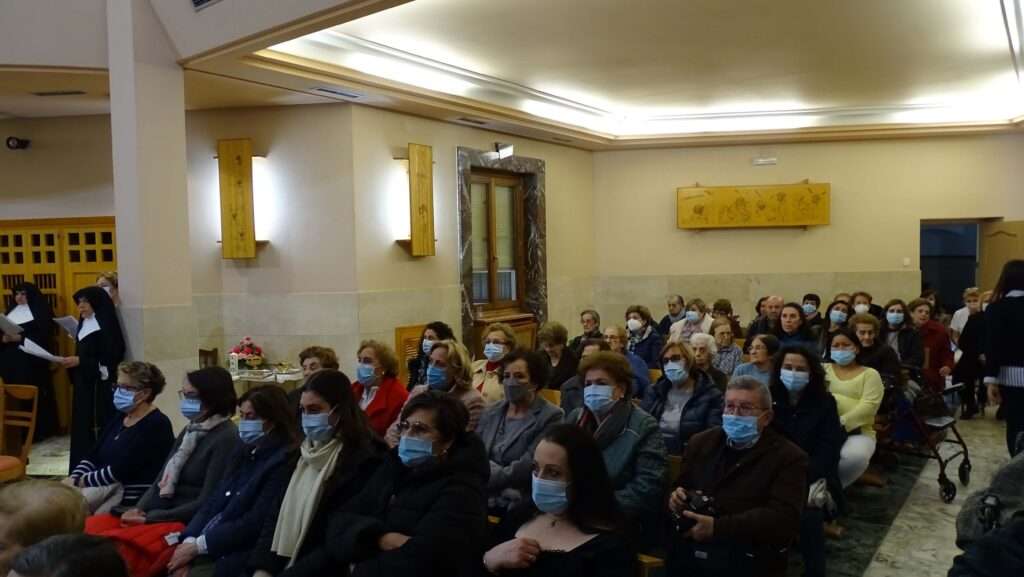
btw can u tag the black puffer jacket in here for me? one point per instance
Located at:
(813, 425)
(441, 507)
(701, 412)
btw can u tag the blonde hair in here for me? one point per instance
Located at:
(109, 276)
(459, 364)
(385, 356)
(504, 328)
(35, 509)
(972, 292)
(684, 349)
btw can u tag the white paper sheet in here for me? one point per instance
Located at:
(35, 350)
(69, 324)
(9, 328)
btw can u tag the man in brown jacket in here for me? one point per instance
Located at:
(757, 481)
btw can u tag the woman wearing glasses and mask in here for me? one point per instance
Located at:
(424, 511)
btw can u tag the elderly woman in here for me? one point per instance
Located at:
(511, 429)
(200, 454)
(32, 510)
(553, 338)
(617, 338)
(685, 400)
(572, 390)
(498, 340)
(434, 332)
(377, 388)
(424, 510)
(448, 373)
(873, 352)
(938, 352)
(762, 348)
(858, 392)
(644, 339)
(694, 320)
(704, 352)
(728, 356)
(590, 322)
(722, 310)
(131, 449)
(629, 438)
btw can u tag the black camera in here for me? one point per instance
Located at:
(695, 503)
(15, 143)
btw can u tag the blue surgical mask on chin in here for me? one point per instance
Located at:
(124, 400)
(740, 429)
(190, 408)
(598, 398)
(550, 496)
(794, 381)
(317, 427)
(675, 372)
(842, 357)
(250, 430)
(437, 378)
(414, 451)
(894, 319)
(494, 352)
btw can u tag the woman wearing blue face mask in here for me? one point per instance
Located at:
(377, 388)
(684, 401)
(200, 454)
(858, 392)
(424, 511)
(498, 340)
(221, 535)
(695, 320)
(835, 318)
(898, 332)
(572, 526)
(433, 333)
(336, 459)
(807, 415)
(132, 447)
(629, 438)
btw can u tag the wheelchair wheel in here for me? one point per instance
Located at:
(964, 471)
(947, 490)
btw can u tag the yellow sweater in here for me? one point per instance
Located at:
(858, 399)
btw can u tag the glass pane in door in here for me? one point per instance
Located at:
(504, 231)
(479, 242)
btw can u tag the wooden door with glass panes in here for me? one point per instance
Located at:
(88, 251)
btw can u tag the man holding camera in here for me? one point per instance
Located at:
(740, 492)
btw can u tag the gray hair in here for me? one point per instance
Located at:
(706, 340)
(744, 383)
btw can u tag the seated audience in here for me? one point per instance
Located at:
(932, 296)
(312, 359)
(898, 332)
(633, 449)
(572, 390)
(685, 400)
(863, 305)
(858, 392)
(70, 556)
(972, 305)
(676, 306)
(938, 353)
(553, 338)
(762, 348)
(498, 339)
(835, 318)
(377, 389)
(768, 322)
(617, 339)
(224, 530)
(336, 459)
(644, 341)
(757, 511)
(704, 353)
(696, 320)
(810, 304)
(200, 454)
(511, 429)
(806, 414)
(722, 310)
(423, 513)
(759, 308)
(32, 510)
(434, 332)
(873, 352)
(793, 329)
(701, 308)
(591, 323)
(572, 525)
(448, 373)
(128, 455)
(729, 356)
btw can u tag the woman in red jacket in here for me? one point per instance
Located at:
(376, 387)
(938, 354)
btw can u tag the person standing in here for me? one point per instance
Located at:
(1004, 350)
(33, 313)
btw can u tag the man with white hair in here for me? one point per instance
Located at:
(704, 351)
(766, 324)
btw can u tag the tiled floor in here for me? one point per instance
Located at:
(50, 458)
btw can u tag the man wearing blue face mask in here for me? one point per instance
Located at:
(757, 481)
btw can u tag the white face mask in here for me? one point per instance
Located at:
(634, 325)
(861, 308)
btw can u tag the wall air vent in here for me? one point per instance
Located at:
(469, 120)
(200, 4)
(336, 92)
(60, 93)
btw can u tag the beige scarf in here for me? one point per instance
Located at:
(193, 433)
(303, 496)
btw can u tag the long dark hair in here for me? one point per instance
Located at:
(804, 331)
(443, 332)
(1011, 279)
(592, 504)
(271, 404)
(336, 390)
(815, 387)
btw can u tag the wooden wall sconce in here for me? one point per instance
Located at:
(421, 202)
(237, 219)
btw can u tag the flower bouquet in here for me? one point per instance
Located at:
(250, 355)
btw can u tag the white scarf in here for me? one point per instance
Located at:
(193, 433)
(303, 496)
(20, 315)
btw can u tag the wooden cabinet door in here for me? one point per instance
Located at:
(999, 242)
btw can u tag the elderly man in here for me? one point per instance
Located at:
(766, 324)
(590, 321)
(675, 305)
(756, 480)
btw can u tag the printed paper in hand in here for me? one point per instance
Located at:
(10, 329)
(69, 324)
(35, 350)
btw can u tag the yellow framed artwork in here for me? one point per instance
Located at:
(759, 206)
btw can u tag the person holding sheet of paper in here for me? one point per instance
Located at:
(100, 348)
(33, 314)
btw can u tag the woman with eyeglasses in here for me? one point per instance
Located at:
(835, 318)
(200, 454)
(377, 388)
(762, 349)
(221, 536)
(572, 525)
(684, 401)
(424, 511)
(131, 449)
(858, 392)
(337, 457)
(449, 373)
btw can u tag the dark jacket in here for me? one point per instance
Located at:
(649, 349)
(576, 344)
(352, 472)
(565, 370)
(803, 339)
(700, 413)
(997, 554)
(1004, 335)
(572, 394)
(758, 326)
(511, 466)
(759, 494)
(440, 506)
(972, 339)
(665, 325)
(910, 348)
(813, 425)
(232, 517)
(883, 359)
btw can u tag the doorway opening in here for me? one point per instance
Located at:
(949, 260)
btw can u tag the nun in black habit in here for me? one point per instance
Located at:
(100, 349)
(32, 312)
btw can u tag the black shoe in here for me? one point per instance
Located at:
(1001, 413)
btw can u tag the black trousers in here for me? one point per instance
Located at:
(1013, 408)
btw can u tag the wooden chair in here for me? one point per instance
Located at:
(209, 358)
(552, 396)
(654, 375)
(646, 565)
(13, 467)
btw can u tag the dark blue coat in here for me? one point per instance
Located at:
(243, 500)
(813, 425)
(701, 412)
(649, 349)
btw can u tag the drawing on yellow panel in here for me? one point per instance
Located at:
(805, 204)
